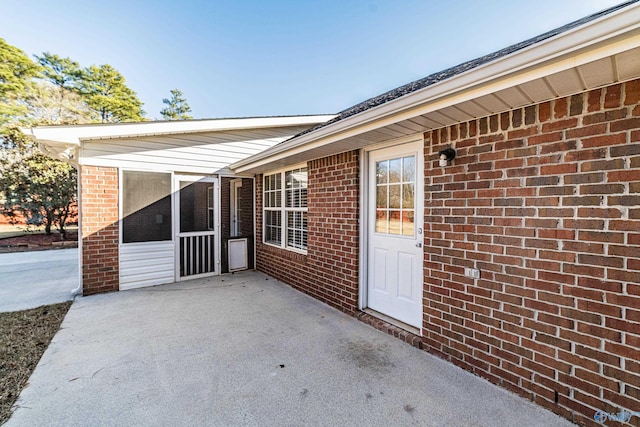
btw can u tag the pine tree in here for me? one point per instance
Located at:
(56, 100)
(106, 93)
(61, 72)
(177, 107)
(16, 73)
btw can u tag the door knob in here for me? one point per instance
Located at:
(418, 244)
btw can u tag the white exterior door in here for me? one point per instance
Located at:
(395, 235)
(197, 234)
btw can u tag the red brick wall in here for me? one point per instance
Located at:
(329, 270)
(545, 201)
(99, 225)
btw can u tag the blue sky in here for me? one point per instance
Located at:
(259, 58)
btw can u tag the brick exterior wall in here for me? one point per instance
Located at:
(99, 227)
(545, 201)
(329, 270)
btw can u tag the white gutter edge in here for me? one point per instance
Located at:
(76, 134)
(621, 22)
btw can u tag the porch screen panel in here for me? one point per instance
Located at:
(196, 206)
(146, 206)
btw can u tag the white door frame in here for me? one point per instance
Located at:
(176, 224)
(236, 185)
(365, 204)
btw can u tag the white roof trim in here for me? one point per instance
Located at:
(74, 135)
(606, 36)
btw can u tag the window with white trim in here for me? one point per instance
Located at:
(285, 209)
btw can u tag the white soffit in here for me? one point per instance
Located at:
(597, 73)
(539, 87)
(492, 103)
(628, 63)
(566, 82)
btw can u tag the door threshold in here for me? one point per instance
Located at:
(394, 322)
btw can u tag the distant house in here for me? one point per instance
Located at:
(488, 213)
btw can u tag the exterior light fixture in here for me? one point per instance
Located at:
(446, 156)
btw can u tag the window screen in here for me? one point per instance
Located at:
(146, 206)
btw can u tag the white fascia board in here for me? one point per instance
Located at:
(76, 134)
(607, 36)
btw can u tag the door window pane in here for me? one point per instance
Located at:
(395, 170)
(395, 226)
(395, 196)
(146, 206)
(407, 196)
(407, 223)
(409, 169)
(381, 196)
(382, 222)
(382, 172)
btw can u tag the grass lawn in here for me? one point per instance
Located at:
(7, 231)
(24, 336)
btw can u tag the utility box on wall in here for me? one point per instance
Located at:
(237, 254)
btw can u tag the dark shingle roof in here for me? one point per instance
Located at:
(459, 69)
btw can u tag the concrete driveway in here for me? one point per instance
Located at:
(31, 279)
(244, 349)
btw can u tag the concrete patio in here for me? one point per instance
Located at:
(244, 349)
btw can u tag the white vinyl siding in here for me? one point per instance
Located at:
(146, 264)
